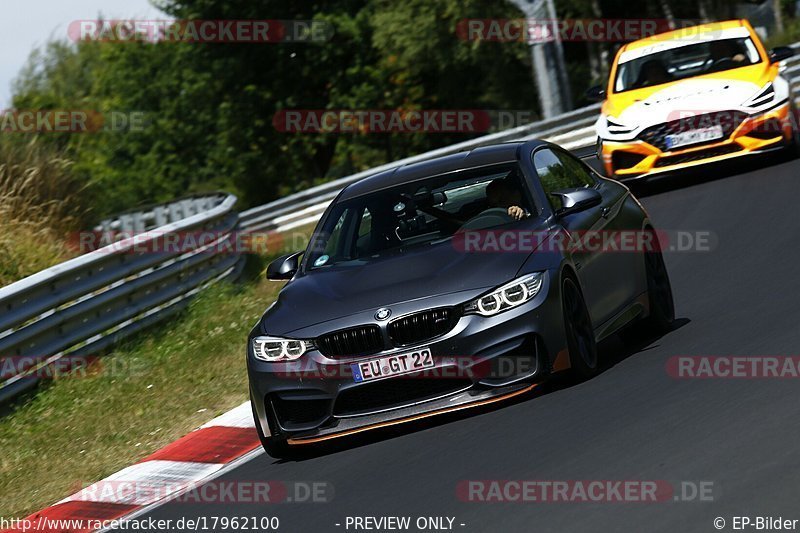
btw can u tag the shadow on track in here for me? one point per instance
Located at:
(696, 175)
(612, 351)
(705, 174)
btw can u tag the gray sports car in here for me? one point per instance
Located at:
(451, 283)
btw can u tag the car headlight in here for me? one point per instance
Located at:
(615, 126)
(764, 96)
(506, 297)
(273, 349)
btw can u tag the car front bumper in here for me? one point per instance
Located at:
(480, 359)
(627, 160)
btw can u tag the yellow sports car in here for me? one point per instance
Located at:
(694, 96)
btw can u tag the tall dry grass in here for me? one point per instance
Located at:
(41, 203)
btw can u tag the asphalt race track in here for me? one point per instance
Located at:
(631, 422)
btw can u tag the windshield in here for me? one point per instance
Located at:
(684, 62)
(419, 213)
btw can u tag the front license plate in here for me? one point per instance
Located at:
(686, 138)
(392, 365)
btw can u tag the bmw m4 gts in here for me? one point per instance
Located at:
(447, 284)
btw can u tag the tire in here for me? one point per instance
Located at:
(659, 294)
(581, 342)
(276, 447)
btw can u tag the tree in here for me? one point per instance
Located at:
(210, 107)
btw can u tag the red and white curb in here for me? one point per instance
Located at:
(190, 460)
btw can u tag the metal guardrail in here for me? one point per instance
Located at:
(145, 219)
(82, 306)
(574, 131)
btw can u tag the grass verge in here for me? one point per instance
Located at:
(145, 394)
(84, 427)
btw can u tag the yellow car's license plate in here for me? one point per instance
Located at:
(694, 137)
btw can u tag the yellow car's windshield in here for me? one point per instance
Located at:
(693, 59)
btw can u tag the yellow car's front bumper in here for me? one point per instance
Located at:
(634, 159)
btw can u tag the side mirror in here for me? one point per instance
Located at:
(780, 53)
(577, 200)
(284, 268)
(596, 93)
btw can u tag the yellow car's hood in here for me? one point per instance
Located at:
(728, 90)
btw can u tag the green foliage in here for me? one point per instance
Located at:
(790, 35)
(210, 107)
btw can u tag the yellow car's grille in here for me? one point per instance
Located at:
(728, 120)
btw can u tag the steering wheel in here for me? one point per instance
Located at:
(723, 63)
(496, 216)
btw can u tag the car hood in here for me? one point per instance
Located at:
(689, 96)
(441, 274)
(726, 91)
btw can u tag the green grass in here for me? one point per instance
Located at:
(140, 397)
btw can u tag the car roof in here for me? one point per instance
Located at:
(683, 32)
(475, 158)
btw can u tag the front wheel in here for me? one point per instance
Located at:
(581, 341)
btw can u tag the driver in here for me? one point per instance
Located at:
(722, 50)
(653, 73)
(501, 193)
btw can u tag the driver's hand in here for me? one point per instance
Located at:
(516, 212)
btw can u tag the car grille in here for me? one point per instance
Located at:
(422, 326)
(698, 155)
(394, 392)
(729, 120)
(360, 340)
